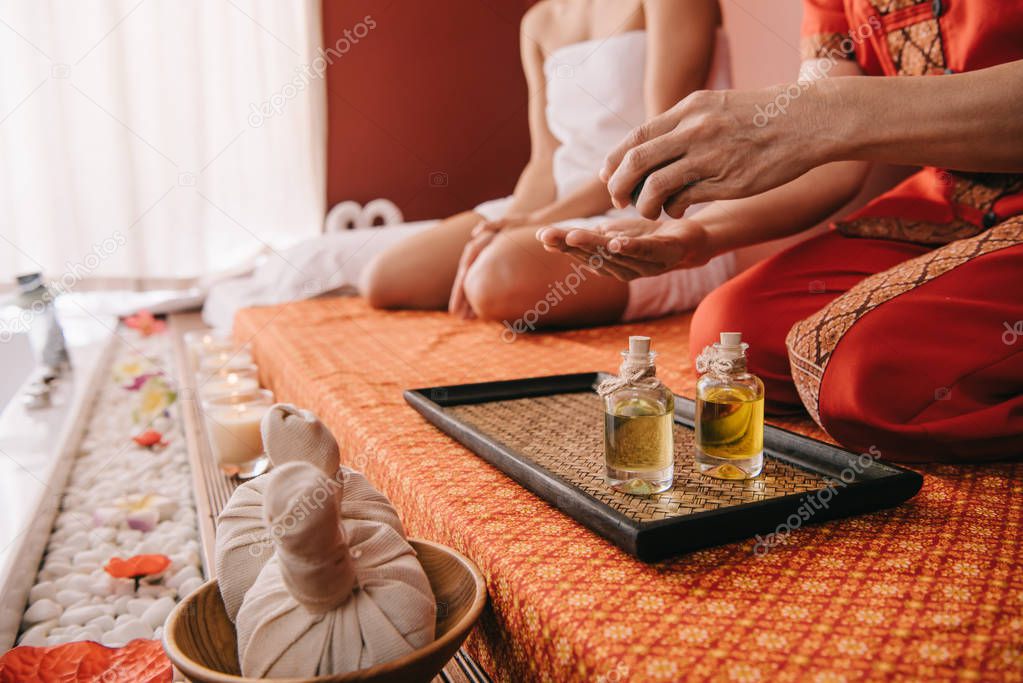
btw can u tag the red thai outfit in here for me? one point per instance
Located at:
(902, 327)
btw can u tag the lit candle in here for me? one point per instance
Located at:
(239, 381)
(201, 343)
(232, 423)
(224, 361)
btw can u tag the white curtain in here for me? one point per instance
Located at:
(147, 141)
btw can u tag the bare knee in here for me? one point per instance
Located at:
(492, 288)
(389, 283)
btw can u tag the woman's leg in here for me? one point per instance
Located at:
(764, 302)
(516, 282)
(418, 272)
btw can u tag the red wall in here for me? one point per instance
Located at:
(428, 109)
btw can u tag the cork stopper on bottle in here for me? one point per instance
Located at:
(639, 346)
(730, 345)
(731, 338)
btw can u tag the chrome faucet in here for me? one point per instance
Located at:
(45, 335)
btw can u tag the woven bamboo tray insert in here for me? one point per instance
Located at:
(563, 434)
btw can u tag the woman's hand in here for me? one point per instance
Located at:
(480, 238)
(722, 144)
(630, 249)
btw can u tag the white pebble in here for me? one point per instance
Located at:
(78, 541)
(38, 634)
(104, 623)
(156, 591)
(122, 588)
(149, 547)
(143, 520)
(59, 555)
(104, 535)
(182, 576)
(89, 557)
(42, 610)
(70, 597)
(157, 613)
(189, 586)
(79, 616)
(126, 632)
(53, 570)
(79, 582)
(121, 604)
(107, 516)
(46, 589)
(126, 537)
(138, 606)
(89, 633)
(183, 559)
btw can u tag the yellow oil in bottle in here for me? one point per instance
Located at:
(638, 437)
(639, 413)
(730, 431)
(729, 412)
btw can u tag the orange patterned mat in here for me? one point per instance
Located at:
(931, 590)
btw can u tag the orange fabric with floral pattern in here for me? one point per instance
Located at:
(930, 590)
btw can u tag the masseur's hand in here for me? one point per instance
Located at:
(630, 249)
(480, 238)
(715, 144)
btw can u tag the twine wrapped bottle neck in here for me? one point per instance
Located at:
(716, 361)
(641, 374)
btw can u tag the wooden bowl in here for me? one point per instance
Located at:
(200, 639)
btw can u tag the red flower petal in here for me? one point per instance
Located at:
(148, 438)
(145, 323)
(136, 566)
(140, 661)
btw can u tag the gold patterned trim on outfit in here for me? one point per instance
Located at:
(982, 190)
(916, 49)
(906, 230)
(978, 191)
(825, 46)
(913, 36)
(889, 6)
(811, 341)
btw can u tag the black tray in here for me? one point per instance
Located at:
(546, 433)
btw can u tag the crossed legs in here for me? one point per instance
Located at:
(513, 279)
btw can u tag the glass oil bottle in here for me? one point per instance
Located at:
(729, 412)
(639, 412)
